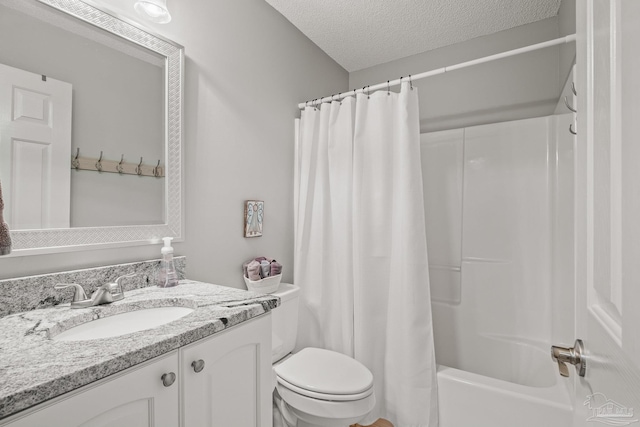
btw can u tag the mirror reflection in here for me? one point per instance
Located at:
(70, 88)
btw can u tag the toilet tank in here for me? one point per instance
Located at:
(284, 318)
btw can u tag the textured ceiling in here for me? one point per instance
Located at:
(362, 33)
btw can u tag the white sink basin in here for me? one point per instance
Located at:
(124, 323)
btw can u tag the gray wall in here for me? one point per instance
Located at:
(523, 86)
(247, 68)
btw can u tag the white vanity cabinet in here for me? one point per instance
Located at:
(233, 384)
(231, 388)
(136, 397)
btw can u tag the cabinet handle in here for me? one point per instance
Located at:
(168, 379)
(198, 365)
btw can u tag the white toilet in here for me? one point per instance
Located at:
(315, 387)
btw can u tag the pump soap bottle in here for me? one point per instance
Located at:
(167, 276)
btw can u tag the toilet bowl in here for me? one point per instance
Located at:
(315, 387)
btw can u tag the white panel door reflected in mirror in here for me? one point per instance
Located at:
(35, 145)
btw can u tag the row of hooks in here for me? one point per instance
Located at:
(121, 167)
(573, 110)
(365, 89)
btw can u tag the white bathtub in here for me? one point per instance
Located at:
(503, 384)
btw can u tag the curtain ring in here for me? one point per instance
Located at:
(566, 102)
(99, 163)
(410, 82)
(389, 90)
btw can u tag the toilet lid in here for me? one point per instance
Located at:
(325, 371)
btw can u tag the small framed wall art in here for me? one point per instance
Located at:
(253, 218)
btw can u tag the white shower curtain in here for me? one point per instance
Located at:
(360, 247)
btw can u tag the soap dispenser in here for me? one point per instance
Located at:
(167, 277)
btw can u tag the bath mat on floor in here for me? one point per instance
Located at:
(381, 422)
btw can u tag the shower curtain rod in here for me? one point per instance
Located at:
(562, 40)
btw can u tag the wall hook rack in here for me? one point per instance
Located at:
(114, 166)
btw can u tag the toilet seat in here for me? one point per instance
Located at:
(325, 374)
(324, 396)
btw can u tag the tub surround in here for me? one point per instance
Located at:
(35, 292)
(35, 368)
(507, 201)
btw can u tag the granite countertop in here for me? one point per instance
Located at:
(34, 368)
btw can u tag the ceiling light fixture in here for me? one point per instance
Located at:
(153, 10)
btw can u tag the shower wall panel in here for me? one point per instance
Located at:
(506, 228)
(442, 166)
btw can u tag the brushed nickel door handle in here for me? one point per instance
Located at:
(572, 355)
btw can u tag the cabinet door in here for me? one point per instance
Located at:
(133, 398)
(234, 386)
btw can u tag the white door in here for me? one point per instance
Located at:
(608, 212)
(35, 149)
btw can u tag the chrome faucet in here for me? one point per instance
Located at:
(105, 294)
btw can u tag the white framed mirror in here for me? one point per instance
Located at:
(125, 102)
